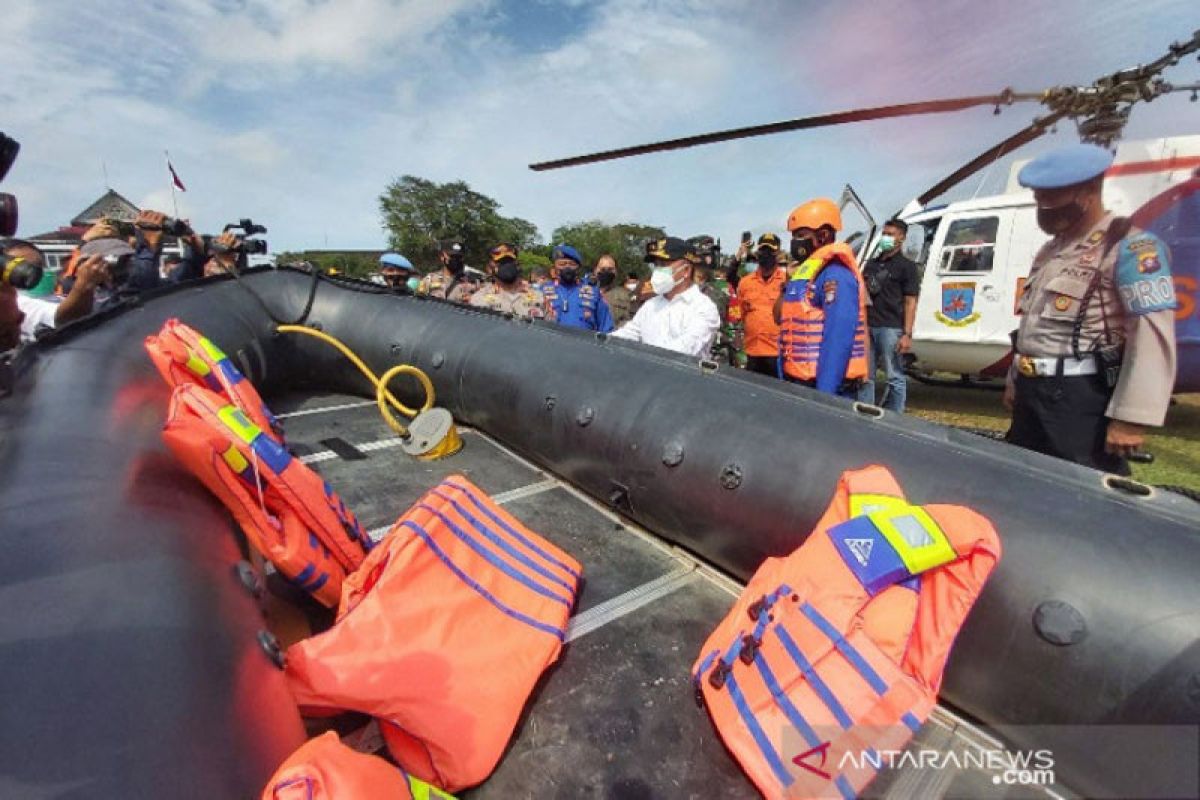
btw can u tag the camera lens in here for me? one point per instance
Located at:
(19, 274)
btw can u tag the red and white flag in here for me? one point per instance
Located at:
(175, 177)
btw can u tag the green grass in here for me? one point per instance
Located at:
(1176, 446)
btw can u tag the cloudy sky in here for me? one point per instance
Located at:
(298, 112)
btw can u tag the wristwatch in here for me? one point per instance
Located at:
(908, 334)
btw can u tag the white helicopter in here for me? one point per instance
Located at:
(975, 254)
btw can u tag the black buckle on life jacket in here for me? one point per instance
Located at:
(757, 608)
(750, 647)
(716, 678)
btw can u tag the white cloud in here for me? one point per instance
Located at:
(299, 112)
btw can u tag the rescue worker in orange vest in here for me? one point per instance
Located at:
(822, 312)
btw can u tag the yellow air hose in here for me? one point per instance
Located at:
(434, 442)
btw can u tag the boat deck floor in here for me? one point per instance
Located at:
(615, 717)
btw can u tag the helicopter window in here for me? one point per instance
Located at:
(970, 245)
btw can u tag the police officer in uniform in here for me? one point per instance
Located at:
(397, 271)
(1094, 359)
(571, 300)
(509, 293)
(450, 282)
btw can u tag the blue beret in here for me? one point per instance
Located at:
(566, 251)
(395, 260)
(1065, 166)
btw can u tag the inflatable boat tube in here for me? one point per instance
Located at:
(131, 654)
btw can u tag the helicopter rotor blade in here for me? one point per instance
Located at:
(1007, 97)
(1019, 139)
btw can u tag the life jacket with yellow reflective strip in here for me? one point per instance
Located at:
(802, 321)
(325, 769)
(835, 652)
(288, 513)
(442, 634)
(183, 355)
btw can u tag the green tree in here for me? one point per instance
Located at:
(626, 242)
(355, 265)
(418, 213)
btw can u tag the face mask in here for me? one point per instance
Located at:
(413, 283)
(507, 272)
(886, 244)
(802, 248)
(455, 265)
(1057, 219)
(631, 285)
(662, 280)
(568, 276)
(605, 278)
(766, 260)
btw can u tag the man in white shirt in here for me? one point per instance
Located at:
(22, 316)
(679, 317)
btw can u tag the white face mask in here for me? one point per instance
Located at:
(662, 280)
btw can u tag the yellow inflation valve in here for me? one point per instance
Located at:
(432, 433)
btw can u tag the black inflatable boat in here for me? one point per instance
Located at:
(129, 644)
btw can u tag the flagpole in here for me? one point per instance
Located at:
(171, 176)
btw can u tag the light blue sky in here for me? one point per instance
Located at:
(298, 112)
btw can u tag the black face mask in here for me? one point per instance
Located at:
(605, 278)
(1057, 219)
(802, 248)
(455, 265)
(568, 276)
(507, 272)
(766, 261)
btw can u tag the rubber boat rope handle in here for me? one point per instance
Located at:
(383, 397)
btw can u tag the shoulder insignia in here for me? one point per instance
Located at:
(1096, 237)
(1140, 243)
(829, 288)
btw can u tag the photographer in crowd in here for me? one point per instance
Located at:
(21, 316)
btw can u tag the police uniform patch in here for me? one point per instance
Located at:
(1142, 243)
(1062, 302)
(829, 288)
(1095, 237)
(1143, 276)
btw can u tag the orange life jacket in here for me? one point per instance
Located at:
(835, 653)
(286, 510)
(325, 769)
(68, 271)
(182, 356)
(442, 634)
(802, 322)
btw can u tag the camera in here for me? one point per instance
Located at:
(19, 273)
(248, 229)
(8, 203)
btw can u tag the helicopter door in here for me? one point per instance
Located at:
(860, 235)
(969, 295)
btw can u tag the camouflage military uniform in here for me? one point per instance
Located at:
(728, 341)
(620, 304)
(435, 284)
(521, 301)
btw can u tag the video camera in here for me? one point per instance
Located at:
(249, 228)
(16, 272)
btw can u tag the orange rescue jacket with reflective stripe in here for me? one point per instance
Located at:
(443, 633)
(286, 510)
(183, 355)
(802, 322)
(835, 652)
(325, 769)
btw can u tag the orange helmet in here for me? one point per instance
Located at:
(814, 214)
